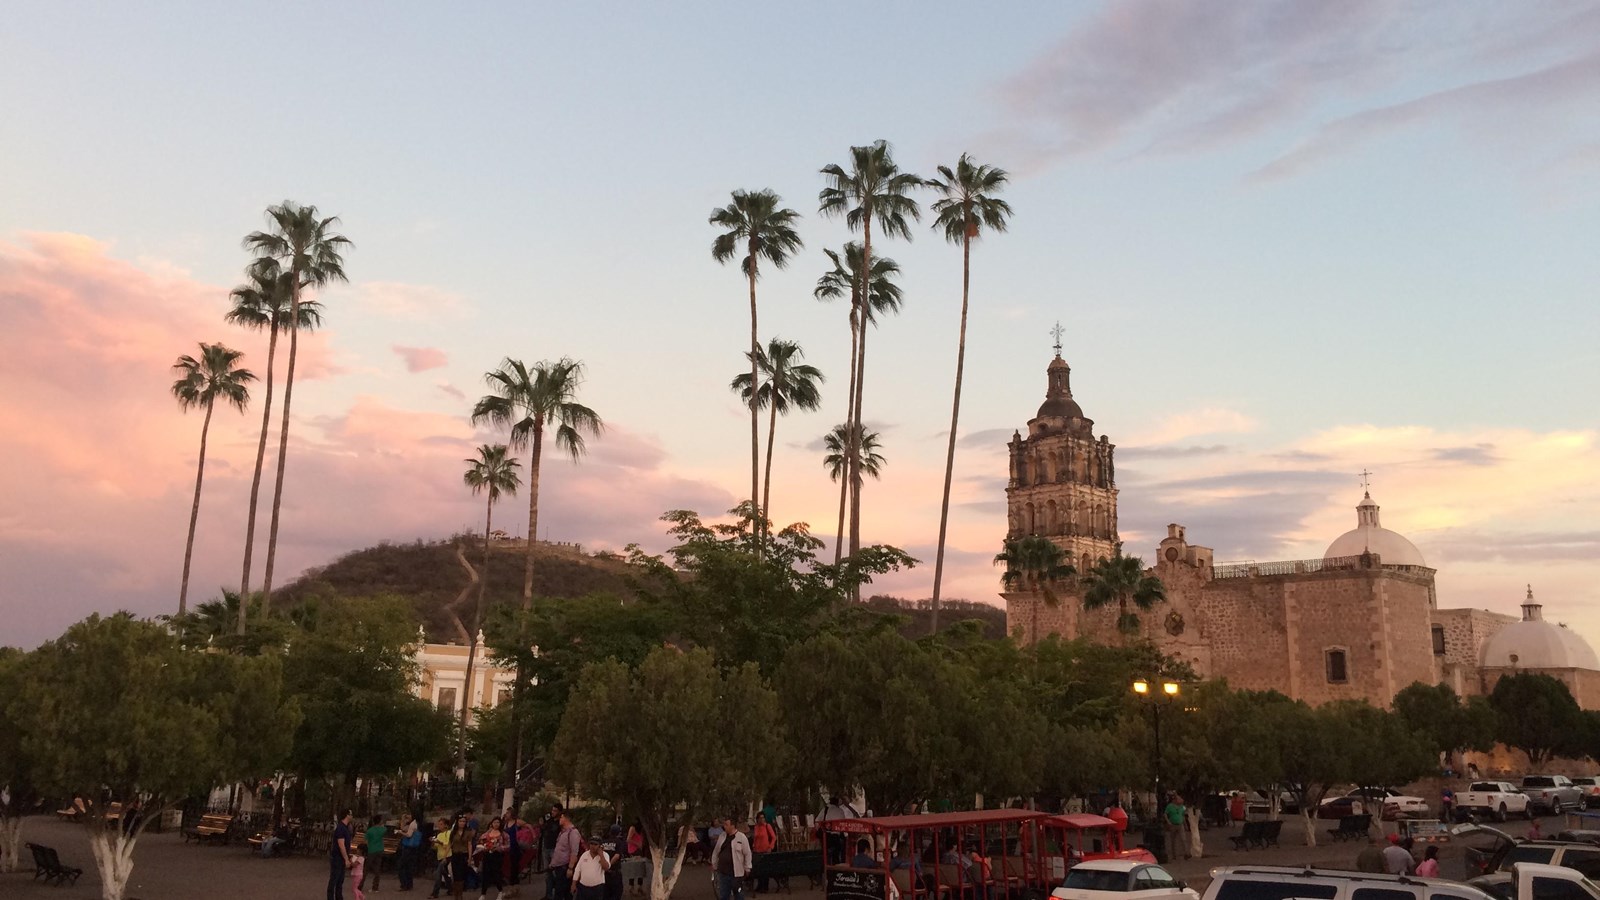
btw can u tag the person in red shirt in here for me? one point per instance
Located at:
(763, 840)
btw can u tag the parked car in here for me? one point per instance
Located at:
(1387, 803)
(1590, 785)
(1121, 879)
(1506, 851)
(1532, 881)
(1299, 883)
(1498, 799)
(1552, 793)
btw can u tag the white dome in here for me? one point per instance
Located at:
(1534, 643)
(1391, 547)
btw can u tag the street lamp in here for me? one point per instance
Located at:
(1146, 690)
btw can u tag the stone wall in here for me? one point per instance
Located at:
(1465, 631)
(1583, 683)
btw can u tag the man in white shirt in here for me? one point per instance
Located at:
(731, 859)
(589, 874)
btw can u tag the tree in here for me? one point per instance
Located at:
(116, 709)
(525, 400)
(967, 206)
(311, 255)
(1537, 715)
(264, 303)
(201, 382)
(791, 384)
(1450, 726)
(493, 473)
(871, 191)
(1122, 580)
(1311, 757)
(762, 229)
(654, 723)
(883, 295)
(1034, 563)
(20, 796)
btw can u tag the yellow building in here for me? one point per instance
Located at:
(444, 677)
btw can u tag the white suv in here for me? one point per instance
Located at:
(1285, 883)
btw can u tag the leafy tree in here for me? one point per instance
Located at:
(1034, 563)
(760, 227)
(791, 384)
(1450, 725)
(19, 796)
(966, 207)
(264, 303)
(1122, 580)
(116, 708)
(1311, 756)
(1537, 715)
(654, 724)
(201, 383)
(214, 625)
(491, 473)
(525, 400)
(1378, 748)
(310, 254)
(872, 190)
(883, 296)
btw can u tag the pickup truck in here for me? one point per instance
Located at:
(1555, 793)
(1498, 799)
(1533, 881)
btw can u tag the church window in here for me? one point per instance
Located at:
(447, 699)
(1438, 640)
(1337, 672)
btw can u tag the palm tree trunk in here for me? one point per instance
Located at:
(861, 372)
(533, 511)
(255, 482)
(849, 418)
(950, 450)
(772, 433)
(472, 647)
(758, 513)
(283, 439)
(194, 512)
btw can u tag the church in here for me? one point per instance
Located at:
(1361, 622)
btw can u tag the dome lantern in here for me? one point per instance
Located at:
(1391, 547)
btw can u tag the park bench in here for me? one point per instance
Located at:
(47, 865)
(1258, 835)
(215, 827)
(1351, 828)
(782, 865)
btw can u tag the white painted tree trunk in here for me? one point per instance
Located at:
(661, 888)
(1309, 814)
(10, 843)
(113, 858)
(1192, 820)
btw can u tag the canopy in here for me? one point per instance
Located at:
(1083, 820)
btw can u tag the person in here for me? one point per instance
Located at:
(340, 858)
(492, 849)
(589, 871)
(1396, 858)
(515, 841)
(564, 859)
(863, 858)
(730, 857)
(376, 832)
(837, 843)
(980, 873)
(271, 842)
(1371, 858)
(549, 832)
(358, 865)
(1472, 771)
(441, 853)
(410, 850)
(462, 840)
(1429, 867)
(763, 840)
(1535, 830)
(1447, 803)
(636, 842)
(1173, 818)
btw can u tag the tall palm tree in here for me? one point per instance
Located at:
(492, 472)
(883, 296)
(311, 254)
(1122, 580)
(790, 384)
(202, 381)
(966, 207)
(871, 191)
(849, 456)
(525, 400)
(759, 227)
(264, 303)
(1033, 562)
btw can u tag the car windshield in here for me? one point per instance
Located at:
(1484, 786)
(1096, 880)
(1538, 781)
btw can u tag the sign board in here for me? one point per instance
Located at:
(854, 884)
(1426, 831)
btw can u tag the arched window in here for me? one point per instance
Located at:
(1337, 670)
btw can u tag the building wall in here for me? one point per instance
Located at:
(444, 670)
(1465, 631)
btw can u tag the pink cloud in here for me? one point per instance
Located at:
(421, 359)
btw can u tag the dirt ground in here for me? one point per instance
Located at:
(165, 868)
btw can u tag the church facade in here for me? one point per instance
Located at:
(1361, 622)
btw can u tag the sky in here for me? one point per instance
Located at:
(1288, 240)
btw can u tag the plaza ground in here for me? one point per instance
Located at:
(166, 868)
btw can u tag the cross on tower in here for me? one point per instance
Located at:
(1056, 333)
(1366, 479)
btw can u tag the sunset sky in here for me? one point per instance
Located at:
(1287, 241)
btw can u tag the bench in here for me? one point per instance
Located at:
(213, 827)
(1351, 828)
(782, 865)
(47, 865)
(1258, 835)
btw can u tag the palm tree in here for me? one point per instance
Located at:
(1120, 580)
(967, 206)
(791, 384)
(525, 400)
(883, 295)
(264, 303)
(872, 190)
(493, 472)
(844, 448)
(311, 254)
(1034, 562)
(201, 382)
(758, 226)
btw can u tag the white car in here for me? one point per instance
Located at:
(1121, 879)
(1395, 804)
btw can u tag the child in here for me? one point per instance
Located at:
(358, 868)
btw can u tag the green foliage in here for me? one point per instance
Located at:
(211, 377)
(1034, 563)
(1122, 580)
(757, 225)
(1449, 725)
(1378, 748)
(1537, 715)
(839, 450)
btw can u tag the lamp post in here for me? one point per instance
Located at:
(1155, 693)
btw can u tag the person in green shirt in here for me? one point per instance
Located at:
(1173, 817)
(376, 831)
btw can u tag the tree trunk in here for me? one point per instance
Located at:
(955, 420)
(849, 419)
(283, 439)
(10, 841)
(660, 886)
(861, 373)
(472, 648)
(759, 514)
(113, 857)
(533, 511)
(194, 511)
(1307, 813)
(255, 482)
(772, 434)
